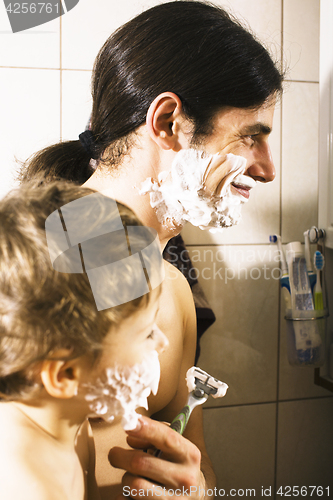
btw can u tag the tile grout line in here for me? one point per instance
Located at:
(301, 81)
(273, 402)
(46, 69)
(60, 73)
(28, 67)
(225, 244)
(279, 295)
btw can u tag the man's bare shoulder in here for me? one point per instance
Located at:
(176, 281)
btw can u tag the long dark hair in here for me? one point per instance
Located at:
(191, 48)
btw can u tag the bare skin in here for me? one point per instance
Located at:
(67, 465)
(176, 316)
(166, 132)
(47, 449)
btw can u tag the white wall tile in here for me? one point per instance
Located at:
(76, 103)
(240, 348)
(305, 444)
(299, 160)
(241, 444)
(264, 20)
(86, 27)
(301, 39)
(37, 47)
(30, 114)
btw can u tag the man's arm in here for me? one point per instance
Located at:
(85, 449)
(194, 429)
(182, 465)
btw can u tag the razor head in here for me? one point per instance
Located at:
(199, 383)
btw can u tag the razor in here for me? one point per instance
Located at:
(201, 385)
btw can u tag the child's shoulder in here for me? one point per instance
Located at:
(17, 477)
(17, 482)
(33, 466)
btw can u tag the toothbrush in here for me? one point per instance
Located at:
(200, 385)
(311, 274)
(275, 238)
(307, 251)
(318, 262)
(284, 280)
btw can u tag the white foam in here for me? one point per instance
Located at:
(180, 195)
(121, 390)
(195, 372)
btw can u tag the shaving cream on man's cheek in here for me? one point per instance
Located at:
(180, 196)
(121, 390)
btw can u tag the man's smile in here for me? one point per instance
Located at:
(242, 185)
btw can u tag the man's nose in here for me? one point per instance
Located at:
(262, 168)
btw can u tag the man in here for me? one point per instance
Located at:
(182, 76)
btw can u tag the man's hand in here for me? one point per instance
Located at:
(175, 474)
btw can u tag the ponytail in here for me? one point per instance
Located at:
(65, 160)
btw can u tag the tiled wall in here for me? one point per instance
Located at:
(275, 426)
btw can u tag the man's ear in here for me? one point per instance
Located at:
(60, 377)
(161, 120)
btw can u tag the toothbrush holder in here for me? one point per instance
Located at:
(306, 337)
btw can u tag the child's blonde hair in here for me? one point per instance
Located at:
(42, 310)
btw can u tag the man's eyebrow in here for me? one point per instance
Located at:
(256, 128)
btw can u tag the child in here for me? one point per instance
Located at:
(64, 352)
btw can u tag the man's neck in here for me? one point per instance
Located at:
(124, 183)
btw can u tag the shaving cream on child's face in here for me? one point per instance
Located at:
(199, 190)
(128, 370)
(121, 390)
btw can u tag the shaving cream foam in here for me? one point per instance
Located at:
(194, 372)
(121, 390)
(179, 196)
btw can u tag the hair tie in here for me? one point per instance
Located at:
(88, 142)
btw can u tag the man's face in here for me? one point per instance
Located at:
(245, 133)
(209, 181)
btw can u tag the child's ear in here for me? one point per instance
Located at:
(162, 120)
(61, 377)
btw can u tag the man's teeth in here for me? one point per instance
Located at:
(244, 181)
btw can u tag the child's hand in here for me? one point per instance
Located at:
(176, 474)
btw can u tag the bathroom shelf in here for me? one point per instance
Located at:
(323, 381)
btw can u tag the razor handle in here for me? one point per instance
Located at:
(178, 424)
(180, 421)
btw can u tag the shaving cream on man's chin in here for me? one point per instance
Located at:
(179, 197)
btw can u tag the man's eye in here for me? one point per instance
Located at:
(250, 139)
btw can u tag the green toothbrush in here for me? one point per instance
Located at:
(318, 261)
